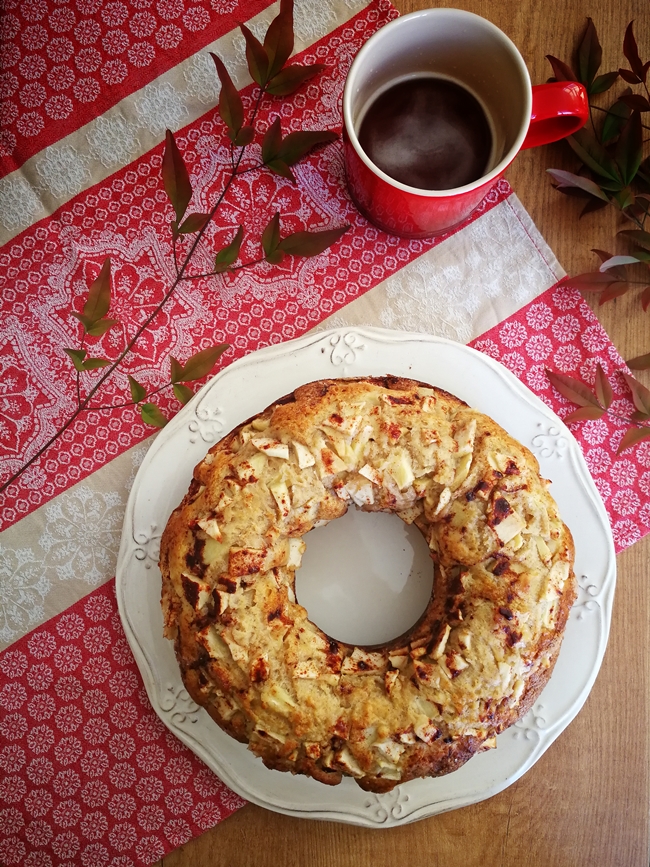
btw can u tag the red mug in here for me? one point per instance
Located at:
(468, 50)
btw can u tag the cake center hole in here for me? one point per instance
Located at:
(365, 578)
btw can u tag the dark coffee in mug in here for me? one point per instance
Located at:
(427, 132)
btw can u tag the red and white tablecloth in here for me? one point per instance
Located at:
(88, 774)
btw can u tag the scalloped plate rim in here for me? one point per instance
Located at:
(438, 803)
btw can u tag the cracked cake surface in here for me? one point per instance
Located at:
(425, 702)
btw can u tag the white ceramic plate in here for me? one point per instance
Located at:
(246, 387)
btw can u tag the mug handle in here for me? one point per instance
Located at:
(560, 108)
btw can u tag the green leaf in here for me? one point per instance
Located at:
(568, 179)
(631, 52)
(194, 223)
(138, 392)
(77, 357)
(297, 144)
(629, 148)
(594, 155)
(603, 388)
(271, 237)
(633, 436)
(614, 121)
(603, 82)
(229, 254)
(95, 363)
(231, 107)
(617, 261)
(176, 180)
(640, 394)
(278, 41)
(176, 370)
(561, 70)
(272, 141)
(572, 389)
(244, 137)
(99, 294)
(279, 167)
(589, 55)
(182, 393)
(256, 57)
(97, 329)
(201, 363)
(291, 78)
(640, 362)
(310, 243)
(152, 415)
(585, 413)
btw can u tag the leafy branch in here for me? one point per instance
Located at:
(594, 404)
(614, 166)
(269, 69)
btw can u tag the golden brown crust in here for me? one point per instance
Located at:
(424, 703)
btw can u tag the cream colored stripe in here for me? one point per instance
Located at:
(137, 123)
(65, 549)
(467, 284)
(460, 289)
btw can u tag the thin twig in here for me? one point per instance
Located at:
(85, 404)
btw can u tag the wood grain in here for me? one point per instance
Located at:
(586, 802)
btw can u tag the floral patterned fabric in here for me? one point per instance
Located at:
(88, 774)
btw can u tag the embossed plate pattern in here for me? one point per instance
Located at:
(246, 387)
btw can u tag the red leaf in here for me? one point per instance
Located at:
(272, 141)
(290, 78)
(640, 362)
(256, 57)
(639, 237)
(175, 177)
(310, 243)
(628, 76)
(603, 255)
(589, 54)
(568, 179)
(278, 41)
(645, 299)
(635, 101)
(603, 388)
(640, 394)
(585, 413)
(561, 70)
(631, 52)
(572, 389)
(633, 436)
(613, 291)
(231, 107)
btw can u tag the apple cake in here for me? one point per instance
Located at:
(423, 703)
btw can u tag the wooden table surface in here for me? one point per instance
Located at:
(586, 801)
